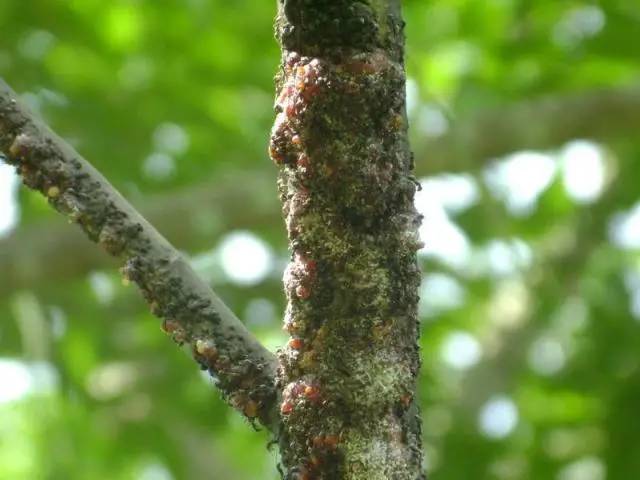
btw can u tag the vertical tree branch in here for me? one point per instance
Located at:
(192, 313)
(340, 139)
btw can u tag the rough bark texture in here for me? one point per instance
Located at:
(28, 258)
(192, 313)
(349, 371)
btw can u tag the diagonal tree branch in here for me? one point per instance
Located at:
(192, 314)
(28, 256)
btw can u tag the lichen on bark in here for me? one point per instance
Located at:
(192, 314)
(349, 372)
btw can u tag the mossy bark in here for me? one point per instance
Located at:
(192, 314)
(348, 374)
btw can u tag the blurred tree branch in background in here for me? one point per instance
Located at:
(603, 114)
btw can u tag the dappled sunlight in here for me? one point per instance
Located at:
(501, 258)
(632, 284)
(509, 303)
(583, 171)
(439, 292)
(171, 138)
(461, 350)
(586, 468)
(444, 240)
(546, 356)
(578, 24)
(154, 471)
(35, 44)
(437, 198)
(9, 207)
(159, 166)
(431, 121)
(103, 287)
(624, 228)
(573, 442)
(452, 193)
(245, 259)
(20, 379)
(498, 418)
(112, 380)
(519, 179)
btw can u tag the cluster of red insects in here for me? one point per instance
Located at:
(297, 392)
(301, 83)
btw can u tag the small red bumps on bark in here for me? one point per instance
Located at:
(296, 343)
(206, 348)
(310, 91)
(312, 393)
(20, 146)
(53, 192)
(311, 266)
(285, 93)
(251, 409)
(297, 389)
(169, 326)
(222, 363)
(292, 59)
(174, 329)
(180, 336)
(276, 155)
(303, 161)
(290, 327)
(286, 407)
(303, 292)
(326, 442)
(313, 69)
(291, 109)
(331, 441)
(301, 474)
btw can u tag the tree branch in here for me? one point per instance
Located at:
(192, 313)
(546, 122)
(28, 258)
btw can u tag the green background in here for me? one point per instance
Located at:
(530, 304)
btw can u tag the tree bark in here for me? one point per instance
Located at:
(346, 381)
(192, 314)
(348, 374)
(28, 257)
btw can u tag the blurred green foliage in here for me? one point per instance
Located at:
(531, 327)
